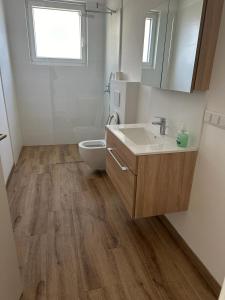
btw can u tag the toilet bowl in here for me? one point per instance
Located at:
(94, 152)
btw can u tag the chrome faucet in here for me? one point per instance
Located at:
(162, 124)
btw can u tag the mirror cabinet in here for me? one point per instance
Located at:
(179, 45)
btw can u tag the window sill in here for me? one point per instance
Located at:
(62, 63)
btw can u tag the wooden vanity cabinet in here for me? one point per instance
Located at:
(150, 185)
(125, 181)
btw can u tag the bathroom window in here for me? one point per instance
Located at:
(57, 32)
(150, 39)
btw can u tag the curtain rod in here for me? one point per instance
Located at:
(107, 11)
(100, 11)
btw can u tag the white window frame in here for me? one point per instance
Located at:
(154, 16)
(74, 6)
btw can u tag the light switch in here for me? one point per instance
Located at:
(215, 119)
(222, 121)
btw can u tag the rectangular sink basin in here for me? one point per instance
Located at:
(140, 136)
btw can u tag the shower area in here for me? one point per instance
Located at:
(66, 104)
(81, 105)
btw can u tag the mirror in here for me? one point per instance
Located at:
(170, 44)
(154, 40)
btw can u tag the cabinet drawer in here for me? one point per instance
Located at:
(122, 178)
(128, 158)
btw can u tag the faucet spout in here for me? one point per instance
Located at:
(162, 124)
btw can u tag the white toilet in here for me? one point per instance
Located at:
(123, 102)
(94, 152)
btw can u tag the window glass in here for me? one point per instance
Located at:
(150, 39)
(57, 33)
(147, 40)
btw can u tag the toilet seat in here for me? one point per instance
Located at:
(94, 144)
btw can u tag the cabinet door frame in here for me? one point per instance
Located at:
(6, 152)
(208, 37)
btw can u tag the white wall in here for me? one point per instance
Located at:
(58, 105)
(222, 295)
(203, 225)
(8, 87)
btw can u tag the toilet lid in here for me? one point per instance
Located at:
(113, 119)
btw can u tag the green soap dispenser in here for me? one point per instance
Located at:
(182, 137)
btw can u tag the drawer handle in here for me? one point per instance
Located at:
(123, 168)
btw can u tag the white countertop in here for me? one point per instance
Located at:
(165, 144)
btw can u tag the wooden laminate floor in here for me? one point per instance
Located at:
(75, 240)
